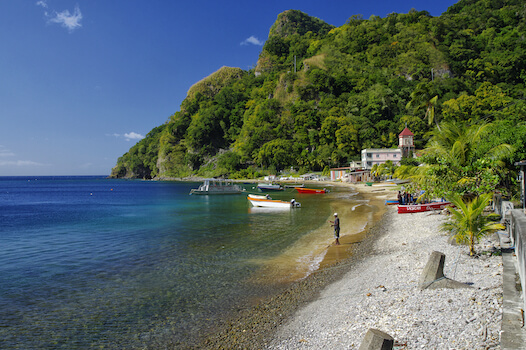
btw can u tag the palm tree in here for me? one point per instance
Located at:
(430, 111)
(467, 223)
(458, 159)
(422, 101)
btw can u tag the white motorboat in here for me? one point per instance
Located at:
(217, 186)
(270, 187)
(267, 202)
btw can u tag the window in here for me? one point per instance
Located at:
(377, 156)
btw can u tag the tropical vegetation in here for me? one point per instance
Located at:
(461, 158)
(319, 94)
(468, 222)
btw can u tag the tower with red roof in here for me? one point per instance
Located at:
(405, 142)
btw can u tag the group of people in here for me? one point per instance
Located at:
(405, 198)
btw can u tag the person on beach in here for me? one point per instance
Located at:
(336, 225)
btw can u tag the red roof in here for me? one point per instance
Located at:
(406, 132)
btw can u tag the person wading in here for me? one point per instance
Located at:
(336, 225)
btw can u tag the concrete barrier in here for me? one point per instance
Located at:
(433, 275)
(517, 229)
(376, 340)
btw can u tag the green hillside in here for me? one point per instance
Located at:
(319, 94)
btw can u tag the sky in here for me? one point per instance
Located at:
(83, 81)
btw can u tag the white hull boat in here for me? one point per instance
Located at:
(214, 186)
(267, 202)
(270, 187)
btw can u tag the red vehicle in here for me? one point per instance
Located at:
(418, 208)
(310, 190)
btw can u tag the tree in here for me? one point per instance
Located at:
(423, 101)
(457, 160)
(430, 111)
(468, 223)
(355, 87)
(276, 153)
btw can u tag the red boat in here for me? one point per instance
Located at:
(310, 190)
(418, 208)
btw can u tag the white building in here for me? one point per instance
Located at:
(372, 156)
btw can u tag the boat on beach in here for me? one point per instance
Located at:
(391, 201)
(259, 196)
(267, 202)
(310, 190)
(270, 187)
(418, 208)
(294, 185)
(217, 186)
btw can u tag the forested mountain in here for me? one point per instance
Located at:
(319, 94)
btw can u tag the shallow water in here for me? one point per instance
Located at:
(90, 262)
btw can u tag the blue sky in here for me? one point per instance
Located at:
(83, 81)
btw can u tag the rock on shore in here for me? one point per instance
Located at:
(381, 291)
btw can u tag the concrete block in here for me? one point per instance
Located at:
(434, 268)
(376, 340)
(433, 275)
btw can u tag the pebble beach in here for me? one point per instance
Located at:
(378, 287)
(381, 291)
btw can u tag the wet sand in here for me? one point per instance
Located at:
(351, 235)
(253, 326)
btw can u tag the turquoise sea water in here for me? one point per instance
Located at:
(89, 262)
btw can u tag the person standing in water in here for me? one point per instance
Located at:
(336, 225)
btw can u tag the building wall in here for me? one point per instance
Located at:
(372, 156)
(406, 141)
(337, 174)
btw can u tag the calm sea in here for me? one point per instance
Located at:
(89, 262)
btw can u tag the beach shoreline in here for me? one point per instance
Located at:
(253, 327)
(382, 291)
(376, 286)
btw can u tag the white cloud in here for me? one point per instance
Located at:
(42, 3)
(20, 163)
(68, 20)
(253, 41)
(133, 136)
(128, 136)
(4, 152)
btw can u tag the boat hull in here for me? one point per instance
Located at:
(271, 203)
(310, 190)
(418, 208)
(269, 187)
(258, 196)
